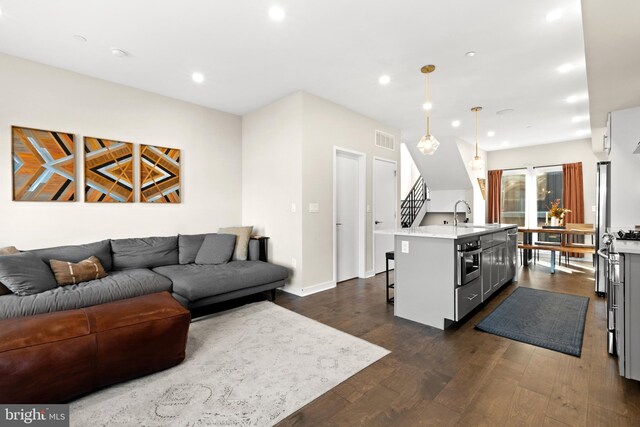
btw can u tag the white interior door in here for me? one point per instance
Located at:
(384, 209)
(346, 216)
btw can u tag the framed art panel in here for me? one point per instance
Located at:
(159, 174)
(108, 171)
(44, 168)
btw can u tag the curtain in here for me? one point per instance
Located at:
(573, 195)
(495, 191)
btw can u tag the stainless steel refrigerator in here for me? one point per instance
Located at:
(603, 221)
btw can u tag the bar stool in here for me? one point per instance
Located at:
(389, 256)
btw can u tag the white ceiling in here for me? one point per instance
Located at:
(336, 49)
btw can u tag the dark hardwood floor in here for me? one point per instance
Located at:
(463, 376)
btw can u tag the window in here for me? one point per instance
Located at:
(513, 199)
(548, 190)
(527, 195)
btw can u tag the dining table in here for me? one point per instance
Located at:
(528, 245)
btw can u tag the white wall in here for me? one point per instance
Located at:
(625, 168)
(287, 158)
(327, 125)
(553, 154)
(40, 96)
(272, 179)
(409, 172)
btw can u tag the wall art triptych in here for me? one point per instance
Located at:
(44, 169)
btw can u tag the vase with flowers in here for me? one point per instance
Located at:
(556, 213)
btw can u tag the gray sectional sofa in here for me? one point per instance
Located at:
(143, 266)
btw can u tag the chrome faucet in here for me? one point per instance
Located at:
(455, 211)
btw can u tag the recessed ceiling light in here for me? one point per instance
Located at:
(505, 111)
(575, 98)
(580, 119)
(529, 126)
(505, 143)
(455, 123)
(470, 53)
(197, 77)
(384, 80)
(491, 133)
(276, 13)
(554, 15)
(118, 52)
(565, 68)
(80, 38)
(427, 106)
(582, 132)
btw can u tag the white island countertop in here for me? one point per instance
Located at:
(448, 231)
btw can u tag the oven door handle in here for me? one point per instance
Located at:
(474, 252)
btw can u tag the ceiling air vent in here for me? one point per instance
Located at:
(385, 140)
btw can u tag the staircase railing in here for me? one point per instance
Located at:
(410, 207)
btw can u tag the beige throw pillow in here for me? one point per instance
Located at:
(243, 234)
(9, 250)
(69, 273)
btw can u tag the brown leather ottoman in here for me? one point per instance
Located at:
(55, 357)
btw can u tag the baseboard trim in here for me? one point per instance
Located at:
(309, 290)
(368, 274)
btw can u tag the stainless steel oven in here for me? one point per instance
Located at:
(469, 262)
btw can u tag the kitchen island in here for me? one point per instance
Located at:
(443, 272)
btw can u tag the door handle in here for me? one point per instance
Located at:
(471, 298)
(338, 223)
(377, 222)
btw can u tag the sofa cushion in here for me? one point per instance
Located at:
(25, 274)
(69, 273)
(9, 250)
(76, 253)
(188, 247)
(117, 286)
(216, 249)
(193, 281)
(242, 241)
(144, 252)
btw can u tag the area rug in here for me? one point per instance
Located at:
(546, 319)
(251, 366)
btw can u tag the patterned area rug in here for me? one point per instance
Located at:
(251, 366)
(547, 319)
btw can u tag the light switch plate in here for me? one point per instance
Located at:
(593, 208)
(314, 207)
(293, 208)
(405, 247)
(369, 208)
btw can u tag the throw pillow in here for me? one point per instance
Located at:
(69, 273)
(9, 250)
(242, 242)
(25, 274)
(216, 249)
(188, 247)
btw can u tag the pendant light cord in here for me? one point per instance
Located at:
(428, 107)
(476, 133)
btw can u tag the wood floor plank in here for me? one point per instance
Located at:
(527, 408)
(602, 417)
(540, 374)
(568, 401)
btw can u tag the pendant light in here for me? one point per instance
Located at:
(428, 143)
(476, 163)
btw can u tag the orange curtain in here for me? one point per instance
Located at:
(495, 190)
(573, 192)
(573, 195)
